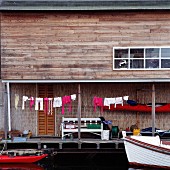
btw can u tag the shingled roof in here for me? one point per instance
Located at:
(84, 5)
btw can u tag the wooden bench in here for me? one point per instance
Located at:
(91, 125)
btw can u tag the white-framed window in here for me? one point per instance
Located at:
(141, 58)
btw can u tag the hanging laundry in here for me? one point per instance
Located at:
(57, 102)
(24, 99)
(125, 98)
(118, 100)
(97, 101)
(37, 102)
(46, 105)
(50, 106)
(16, 101)
(66, 100)
(109, 101)
(73, 97)
(31, 102)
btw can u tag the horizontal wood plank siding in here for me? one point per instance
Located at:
(77, 45)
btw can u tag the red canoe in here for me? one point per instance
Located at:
(21, 159)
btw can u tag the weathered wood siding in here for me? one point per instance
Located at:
(27, 120)
(77, 45)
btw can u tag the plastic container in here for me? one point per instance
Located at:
(115, 131)
(136, 132)
(105, 135)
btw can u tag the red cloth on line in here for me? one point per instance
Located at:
(46, 105)
(98, 101)
(66, 100)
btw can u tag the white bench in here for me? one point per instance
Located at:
(70, 125)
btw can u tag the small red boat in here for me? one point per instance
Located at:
(21, 159)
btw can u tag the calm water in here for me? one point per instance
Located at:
(83, 161)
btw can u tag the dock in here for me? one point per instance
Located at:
(84, 145)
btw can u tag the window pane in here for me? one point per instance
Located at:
(136, 64)
(165, 63)
(136, 53)
(121, 64)
(165, 52)
(152, 53)
(121, 53)
(152, 63)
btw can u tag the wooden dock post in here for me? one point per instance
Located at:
(98, 145)
(60, 146)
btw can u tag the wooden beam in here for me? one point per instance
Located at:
(153, 110)
(79, 111)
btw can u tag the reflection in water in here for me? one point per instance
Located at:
(82, 161)
(20, 167)
(93, 161)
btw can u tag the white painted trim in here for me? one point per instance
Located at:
(90, 81)
(9, 110)
(36, 87)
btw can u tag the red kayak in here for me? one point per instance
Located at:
(21, 159)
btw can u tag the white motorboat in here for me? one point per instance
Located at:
(147, 151)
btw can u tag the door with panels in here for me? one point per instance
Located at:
(46, 120)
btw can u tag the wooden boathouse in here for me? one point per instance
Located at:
(89, 49)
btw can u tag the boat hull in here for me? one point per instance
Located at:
(21, 159)
(144, 154)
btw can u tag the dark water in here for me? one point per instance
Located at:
(101, 161)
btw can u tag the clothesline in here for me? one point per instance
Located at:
(46, 104)
(98, 101)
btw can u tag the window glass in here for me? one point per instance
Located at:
(121, 53)
(122, 64)
(165, 63)
(152, 63)
(152, 53)
(165, 52)
(136, 53)
(136, 64)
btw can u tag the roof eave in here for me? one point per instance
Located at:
(79, 8)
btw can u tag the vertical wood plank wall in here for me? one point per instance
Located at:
(23, 119)
(123, 119)
(77, 45)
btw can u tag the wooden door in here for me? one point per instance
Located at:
(46, 122)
